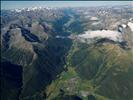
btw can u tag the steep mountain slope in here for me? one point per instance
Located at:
(103, 71)
(12, 74)
(46, 54)
(34, 50)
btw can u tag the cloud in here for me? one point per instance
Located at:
(112, 35)
(130, 25)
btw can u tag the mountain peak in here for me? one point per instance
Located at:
(32, 9)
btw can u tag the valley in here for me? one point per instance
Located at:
(76, 53)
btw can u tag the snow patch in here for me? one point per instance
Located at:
(32, 9)
(94, 18)
(96, 23)
(18, 10)
(124, 26)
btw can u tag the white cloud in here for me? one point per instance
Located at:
(130, 25)
(112, 35)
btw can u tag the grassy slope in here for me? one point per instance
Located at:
(103, 71)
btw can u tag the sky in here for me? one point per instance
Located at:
(25, 4)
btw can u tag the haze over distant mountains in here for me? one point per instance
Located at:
(32, 4)
(71, 53)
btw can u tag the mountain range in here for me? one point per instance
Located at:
(80, 53)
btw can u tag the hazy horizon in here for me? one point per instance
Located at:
(26, 4)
